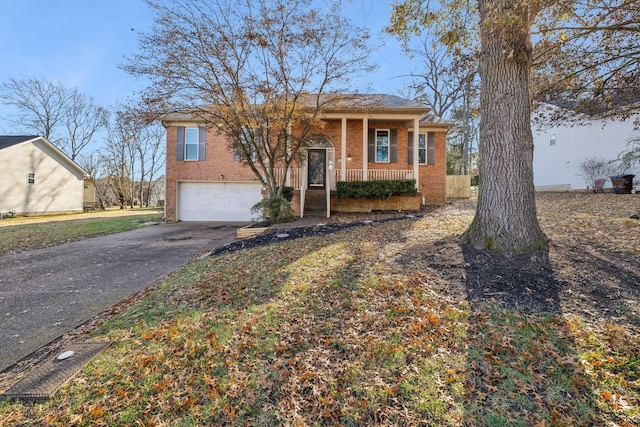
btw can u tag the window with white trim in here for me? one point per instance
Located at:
(191, 143)
(382, 145)
(426, 148)
(422, 149)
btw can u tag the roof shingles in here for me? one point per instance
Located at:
(7, 141)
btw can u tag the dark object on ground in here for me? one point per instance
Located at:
(622, 184)
(42, 383)
(635, 216)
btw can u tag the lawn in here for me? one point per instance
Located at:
(386, 324)
(27, 233)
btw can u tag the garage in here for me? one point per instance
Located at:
(217, 201)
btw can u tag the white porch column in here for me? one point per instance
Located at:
(303, 183)
(343, 151)
(288, 152)
(365, 148)
(416, 157)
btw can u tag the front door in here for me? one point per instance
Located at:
(317, 169)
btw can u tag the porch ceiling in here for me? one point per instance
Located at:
(391, 116)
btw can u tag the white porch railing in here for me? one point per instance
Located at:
(375, 174)
(295, 175)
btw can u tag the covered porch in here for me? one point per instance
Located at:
(299, 179)
(362, 139)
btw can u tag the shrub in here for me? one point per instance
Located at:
(593, 168)
(276, 209)
(287, 193)
(382, 189)
(632, 155)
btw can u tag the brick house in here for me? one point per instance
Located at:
(368, 137)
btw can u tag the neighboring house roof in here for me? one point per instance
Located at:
(558, 114)
(616, 106)
(7, 141)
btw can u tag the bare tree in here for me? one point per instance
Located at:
(444, 79)
(149, 145)
(592, 169)
(154, 157)
(246, 69)
(83, 119)
(96, 166)
(586, 58)
(120, 158)
(64, 116)
(462, 138)
(41, 105)
(133, 156)
(449, 84)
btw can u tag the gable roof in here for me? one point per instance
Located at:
(338, 103)
(365, 103)
(7, 141)
(431, 120)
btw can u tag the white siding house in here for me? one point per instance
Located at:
(37, 178)
(559, 150)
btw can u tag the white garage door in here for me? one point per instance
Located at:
(217, 201)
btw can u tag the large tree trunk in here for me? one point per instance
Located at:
(505, 219)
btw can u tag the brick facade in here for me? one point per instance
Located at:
(432, 181)
(219, 165)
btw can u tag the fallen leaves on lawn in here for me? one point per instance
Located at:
(370, 326)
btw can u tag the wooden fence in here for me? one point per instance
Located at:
(459, 186)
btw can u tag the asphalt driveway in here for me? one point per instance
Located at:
(45, 293)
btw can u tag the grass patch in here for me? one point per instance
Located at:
(343, 330)
(23, 237)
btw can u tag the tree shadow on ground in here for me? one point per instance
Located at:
(525, 357)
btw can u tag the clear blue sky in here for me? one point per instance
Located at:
(80, 43)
